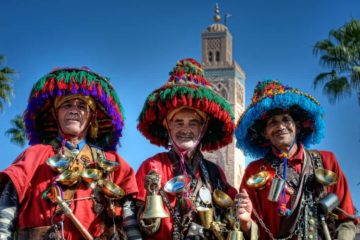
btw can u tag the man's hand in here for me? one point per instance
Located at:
(243, 209)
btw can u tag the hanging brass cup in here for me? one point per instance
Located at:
(58, 163)
(91, 175)
(68, 178)
(326, 177)
(107, 165)
(111, 190)
(258, 180)
(206, 216)
(221, 199)
(177, 184)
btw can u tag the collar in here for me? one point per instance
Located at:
(298, 157)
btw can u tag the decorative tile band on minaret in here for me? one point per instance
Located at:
(228, 79)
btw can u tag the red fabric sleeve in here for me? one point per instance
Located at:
(341, 188)
(23, 169)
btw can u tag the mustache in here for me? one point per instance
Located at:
(282, 131)
(188, 135)
(73, 116)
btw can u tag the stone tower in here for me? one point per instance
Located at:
(228, 79)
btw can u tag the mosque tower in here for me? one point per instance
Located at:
(228, 79)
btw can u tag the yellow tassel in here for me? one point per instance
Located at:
(94, 128)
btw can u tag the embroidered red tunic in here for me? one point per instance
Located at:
(32, 176)
(163, 165)
(268, 210)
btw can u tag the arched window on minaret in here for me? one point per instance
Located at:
(221, 89)
(210, 56)
(217, 56)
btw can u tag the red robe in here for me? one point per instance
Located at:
(32, 176)
(163, 165)
(268, 210)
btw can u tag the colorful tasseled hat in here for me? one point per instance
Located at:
(41, 127)
(187, 87)
(271, 96)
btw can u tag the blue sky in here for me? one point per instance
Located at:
(136, 43)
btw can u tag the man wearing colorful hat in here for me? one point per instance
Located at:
(186, 116)
(70, 183)
(291, 192)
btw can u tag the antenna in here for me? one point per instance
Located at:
(227, 15)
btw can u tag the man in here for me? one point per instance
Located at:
(291, 192)
(70, 183)
(187, 116)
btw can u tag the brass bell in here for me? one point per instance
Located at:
(235, 234)
(154, 208)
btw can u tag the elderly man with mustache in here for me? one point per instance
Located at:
(186, 116)
(70, 183)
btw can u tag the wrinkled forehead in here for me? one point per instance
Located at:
(280, 117)
(181, 114)
(76, 97)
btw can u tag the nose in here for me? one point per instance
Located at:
(74, 109)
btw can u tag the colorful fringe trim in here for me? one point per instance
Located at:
(269, 95)
(41, 127)
(187, 87)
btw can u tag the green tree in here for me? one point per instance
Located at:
(340, 53)
(6, 89)
(17, 131)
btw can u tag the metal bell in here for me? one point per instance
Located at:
(235, 234)
(154, 208)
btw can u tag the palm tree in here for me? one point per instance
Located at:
(17, 131)
(6, 89)
(340, 53)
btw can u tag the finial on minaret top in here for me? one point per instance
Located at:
(217, 17)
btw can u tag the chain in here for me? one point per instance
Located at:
(267, 230)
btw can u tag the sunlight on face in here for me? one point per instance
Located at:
(74, 117)
(280, 130)
(185, 129)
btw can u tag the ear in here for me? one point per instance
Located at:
(53, 113)
(265, 135)
(165, 123)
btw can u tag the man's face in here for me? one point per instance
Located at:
(185, 129)
(74, 117)
(280, 130)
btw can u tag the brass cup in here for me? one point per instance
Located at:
(326, 177)
(58, 163)
(221, 199)
(258, 180)
(177, 184)
(68, 178)
(206, 216)
(107, 165)
(91, 175)
(112, 190)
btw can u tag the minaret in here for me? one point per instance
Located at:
(228, 79)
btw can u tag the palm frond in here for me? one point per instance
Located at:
(324, 77)
(336, 89)
(341, 54)
(17, 132)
